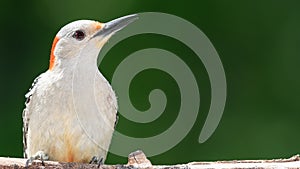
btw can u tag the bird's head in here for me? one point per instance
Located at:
(84, 38)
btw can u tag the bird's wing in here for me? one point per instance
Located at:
(26, 112)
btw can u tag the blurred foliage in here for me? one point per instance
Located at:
(258, 43)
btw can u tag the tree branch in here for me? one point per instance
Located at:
(138, 160)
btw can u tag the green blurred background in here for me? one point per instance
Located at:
(258, 43)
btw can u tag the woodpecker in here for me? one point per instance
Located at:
(71, 109)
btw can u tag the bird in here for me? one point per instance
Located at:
(71, 109)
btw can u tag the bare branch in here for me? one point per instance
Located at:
(138, 160)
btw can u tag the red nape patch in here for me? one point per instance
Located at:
(52, 57)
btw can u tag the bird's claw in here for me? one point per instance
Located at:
(96, 160)
(40, 155)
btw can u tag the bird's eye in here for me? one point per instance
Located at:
(79, 35)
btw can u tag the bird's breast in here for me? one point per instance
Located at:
(72, 124)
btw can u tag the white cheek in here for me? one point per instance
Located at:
(66, 48)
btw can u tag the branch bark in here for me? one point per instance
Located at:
(139, 160)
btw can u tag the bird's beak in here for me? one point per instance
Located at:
(115, 25)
